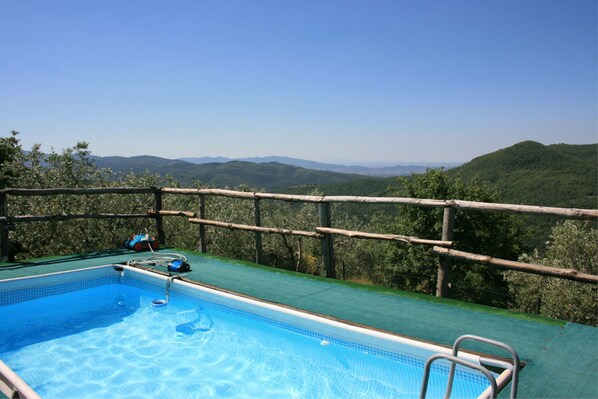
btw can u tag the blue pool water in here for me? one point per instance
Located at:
(104, 339)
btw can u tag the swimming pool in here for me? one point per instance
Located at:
(98, 333)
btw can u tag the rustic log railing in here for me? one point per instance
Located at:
(568, 274)
(259, 229)
(324, 231)
(386, 237)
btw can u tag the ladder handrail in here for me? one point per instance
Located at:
(502, 345)
(13, 386)
(454, 360)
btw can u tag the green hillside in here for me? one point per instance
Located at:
(360, 186)
(532, 173)
(270, 176)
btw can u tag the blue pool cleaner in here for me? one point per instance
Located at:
(172, 262)
(142, 242)
(178, 266)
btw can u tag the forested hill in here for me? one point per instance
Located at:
(269, 176)
(536, 174)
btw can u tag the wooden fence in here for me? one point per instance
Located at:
(323, 231)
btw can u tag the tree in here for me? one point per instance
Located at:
(495, 234)
(574, 245)
(10, 150)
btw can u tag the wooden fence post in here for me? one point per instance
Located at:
(202, 228)
(259, 253)
(448, 222)
(159, 219)
(328, 268)
(4, 243)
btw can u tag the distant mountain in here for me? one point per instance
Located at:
(270, 176)
(137, 163)
(396, 170)
(536, 174)
(202, 160)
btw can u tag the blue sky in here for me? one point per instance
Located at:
(373, 80)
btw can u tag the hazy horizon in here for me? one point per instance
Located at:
(349, 162)
(334, 162)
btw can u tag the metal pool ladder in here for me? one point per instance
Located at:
(454, 360)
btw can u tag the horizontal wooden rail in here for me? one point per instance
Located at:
(209, 191)
(376, 236)
(28, 192)
(153, 212)
(573, 213)
(290, 197)
(270, 230)
(52, 218)
(568, 274)
(242, 194)
(427, 203)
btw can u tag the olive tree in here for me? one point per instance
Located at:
(573, 244)
(414, 267)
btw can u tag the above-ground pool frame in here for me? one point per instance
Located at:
(14, 387)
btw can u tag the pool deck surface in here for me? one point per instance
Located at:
(561, 357)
